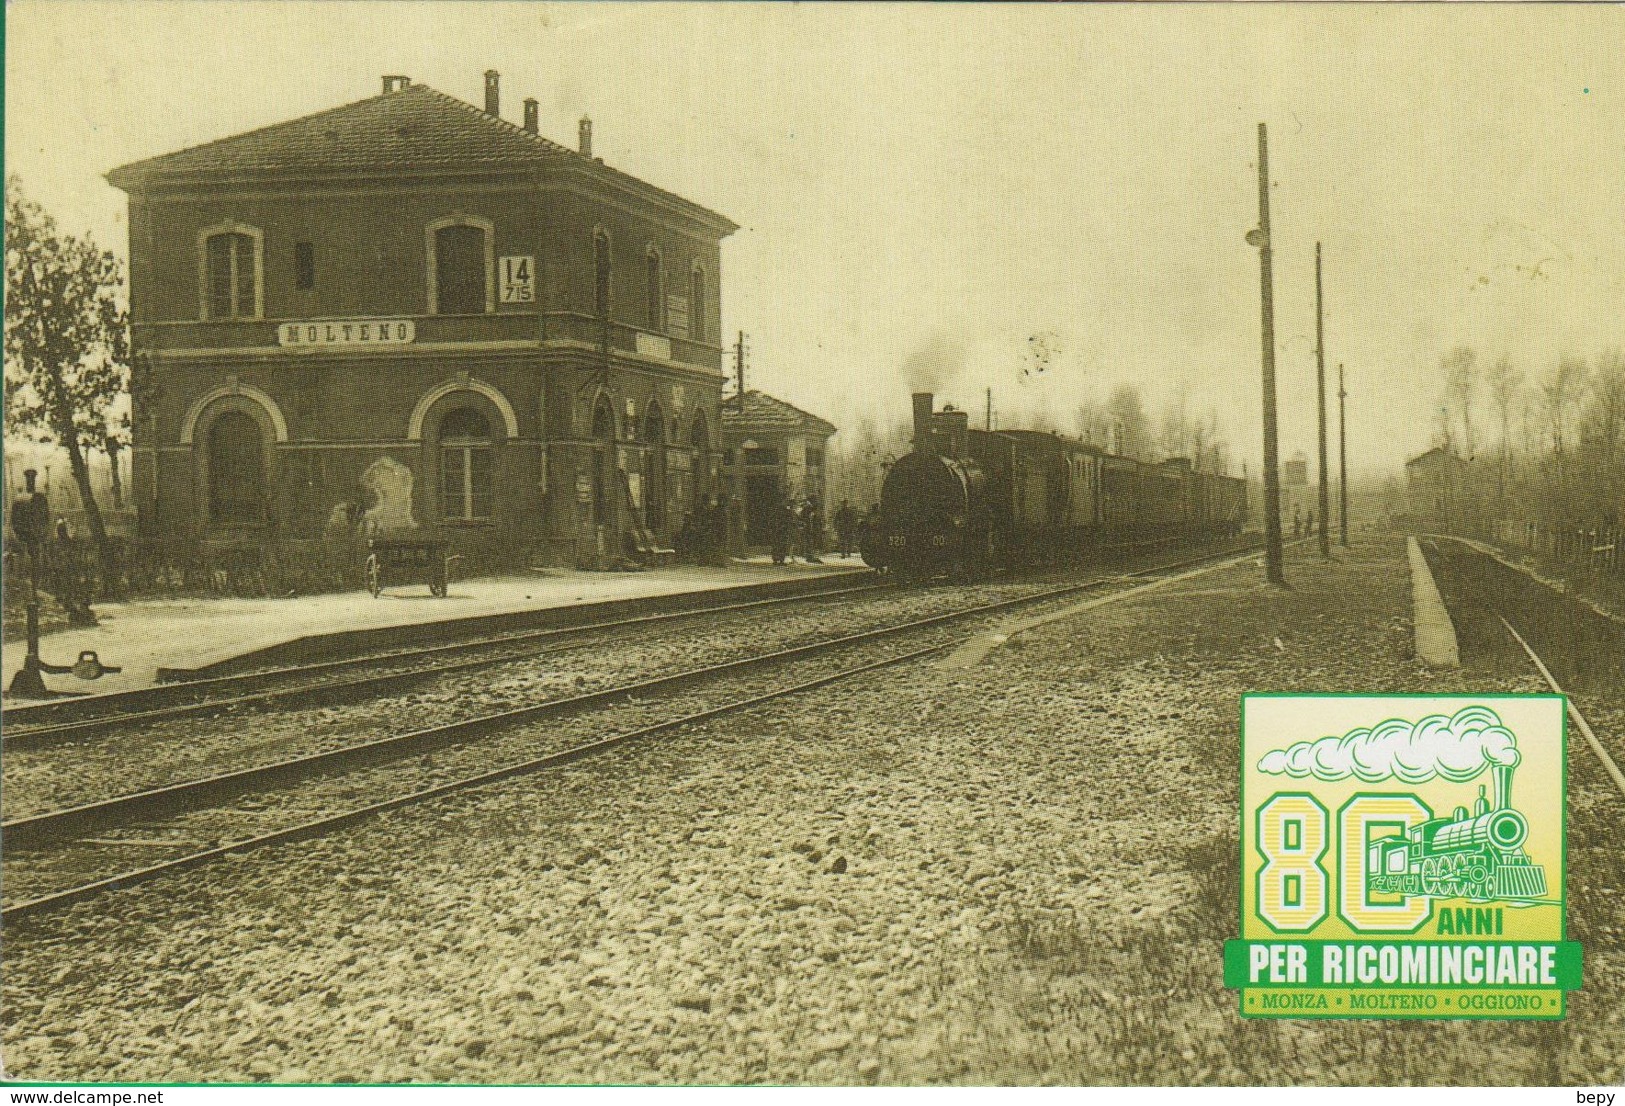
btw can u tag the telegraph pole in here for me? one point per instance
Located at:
(1342, 465)
(1260, 237)
(739, 371)
(1320, 391)
(987, 423)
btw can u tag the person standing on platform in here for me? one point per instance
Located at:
(846, 525)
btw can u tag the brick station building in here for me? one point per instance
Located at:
(407, 313)
(771, 450)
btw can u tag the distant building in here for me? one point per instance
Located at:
(408, 312)
(1438, 491)
(771, 450)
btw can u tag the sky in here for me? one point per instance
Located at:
(942, 184)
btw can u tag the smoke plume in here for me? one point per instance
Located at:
(1455, 749)
(933, 366)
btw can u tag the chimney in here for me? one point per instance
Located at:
(1503, 786)
(586, 137)
(924, 442)
(394, 82)
(493, 95)
(532, 116)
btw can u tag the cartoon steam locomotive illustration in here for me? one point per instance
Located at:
(1475, 855)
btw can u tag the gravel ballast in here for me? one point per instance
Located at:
(1020, 872)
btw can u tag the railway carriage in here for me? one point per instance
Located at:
(966, 501)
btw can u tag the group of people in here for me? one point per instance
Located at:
(798, 527)
(703, 537)
(797, 531)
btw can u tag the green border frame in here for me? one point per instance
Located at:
(1241, 829)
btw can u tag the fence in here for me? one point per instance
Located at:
(1596, 550)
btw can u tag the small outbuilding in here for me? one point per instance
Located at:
(771, 451)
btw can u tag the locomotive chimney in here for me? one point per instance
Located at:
(1503, 786)
(924, 442)
(493, 95)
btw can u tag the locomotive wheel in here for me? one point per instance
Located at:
(375, 576)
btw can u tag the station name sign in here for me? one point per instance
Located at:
(352, 332)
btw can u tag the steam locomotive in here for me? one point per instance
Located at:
(1473, 854)
(965, 501)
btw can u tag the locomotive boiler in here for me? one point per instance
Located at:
(965, 501)
(1475, 854)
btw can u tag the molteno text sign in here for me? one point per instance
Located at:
(351, 332)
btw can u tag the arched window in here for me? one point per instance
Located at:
(236, 456)
(231, 275)
(460, 270)
(654, 468)
(601, 272)
(654, 309)
(467, 461)
(696, 304)
(603, 430)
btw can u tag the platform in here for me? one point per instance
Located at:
(207, 635)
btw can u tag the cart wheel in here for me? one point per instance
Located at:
(375, 578)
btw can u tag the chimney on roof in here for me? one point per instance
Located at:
(532, 116)
(394, 82)
(493, 97)
(586, 137)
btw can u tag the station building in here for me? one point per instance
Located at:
(408, 313)
(771, 450)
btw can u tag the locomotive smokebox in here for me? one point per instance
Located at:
(924, 441)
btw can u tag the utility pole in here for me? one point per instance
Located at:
(739, 372)
(1260, 237)
(1320, 392)
(1342, 464)
(988, 419)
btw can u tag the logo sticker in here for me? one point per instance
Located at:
(1402, 857)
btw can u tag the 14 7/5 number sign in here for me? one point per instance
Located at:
(1402, 857)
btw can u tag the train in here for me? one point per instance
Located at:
(1473, 854)
(964, 503)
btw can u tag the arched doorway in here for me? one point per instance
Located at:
(654, 468)
(700, 439)
(603, 459)
(236, 470)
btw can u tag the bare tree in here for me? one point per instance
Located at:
(1506, 389)
(1605, 416)
(1460, 367)
(1561, 393)
(1127, 412)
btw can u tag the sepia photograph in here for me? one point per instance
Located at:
(813, 545)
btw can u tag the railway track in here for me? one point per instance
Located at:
(63, 857)
(333, 681)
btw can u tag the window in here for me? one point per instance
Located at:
(601, 273)
(236, 458)
(815, 458)
(696, 304)
(762, 455)
(466, 464)
(304, 266)
(654, 306)
(460, 270)
(231, 278)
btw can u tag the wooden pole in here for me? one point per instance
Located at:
(1320, 392)
(1342, 464)
(1273, 559)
